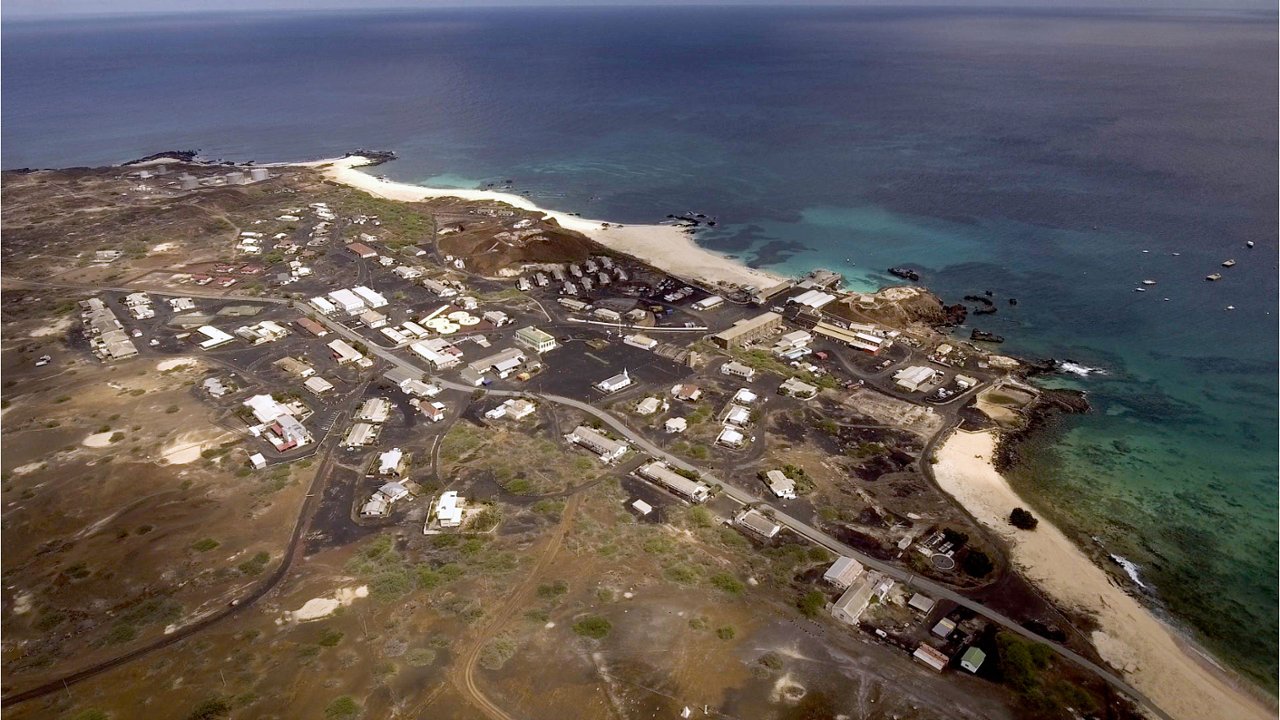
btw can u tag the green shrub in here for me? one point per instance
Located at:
(205, 545)
(812, 603)
(212, 709)
(726, 632)
(593, 626)
(728, 583)
(330, 638)
(342, 708)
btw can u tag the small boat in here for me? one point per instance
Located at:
(1148, 282)
(1177, 254)
(1249, 244)
(1231, 307)
(1228, 263)
(1213, 277)
(1139, 289)
(1146, 251)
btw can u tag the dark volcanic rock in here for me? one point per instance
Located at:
(984, 336)
(375, 157)
(905, 273)
(954, 315)
(1039, 415)
(183, 155)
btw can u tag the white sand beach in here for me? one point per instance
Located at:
(664, 246)
(1151, 656)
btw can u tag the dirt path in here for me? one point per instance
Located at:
(464, 675)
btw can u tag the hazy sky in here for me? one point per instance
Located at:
(63, 8)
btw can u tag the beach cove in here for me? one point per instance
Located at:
(1184, 681)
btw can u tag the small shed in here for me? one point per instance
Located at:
(972, 659)
(920, 602)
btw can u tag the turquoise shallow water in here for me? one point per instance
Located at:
(1034, 153)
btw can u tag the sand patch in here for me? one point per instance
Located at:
(1150, 655)
(57, 327)
(22, 603)
(28, 468)
(187, 447)
(163, 247)
(316, 608)
(664, 246)
(98, 440)
(184, 363)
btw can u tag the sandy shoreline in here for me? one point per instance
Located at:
(1151, 656)
(666, 247)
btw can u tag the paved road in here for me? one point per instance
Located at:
(799, 527)
(795, 525)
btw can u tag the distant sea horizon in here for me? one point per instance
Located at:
(1055, 157)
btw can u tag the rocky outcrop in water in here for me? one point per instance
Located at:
(1038, 417)
(375, 157)
(984, 336)
(183, 155)
(905, 273)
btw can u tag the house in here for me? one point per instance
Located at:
(502, 362)
(312, 327)
(607, 315)
(439, 288)
(744, 396)
(737, 369)
(344, 353)
(972, 659)
(372, 319)
(931, 657)
(375, 410)
(780, 485)
(737, 415)
(213, 337)
(360, 434)
(371, 298)
(395, 336)
(214, 387)
(644, 342)
(797, 389)
(615, 383)
(648, 406)
(265, 408)
(376, 506)
(602, 445)
(708, 303)
(843, 572)
(471, 377)
(434, 410)
(182, 304)
(286, 433)
(912, 378)
(362, 251)
(258, 461)
(535, 340)
(448, 509)
(414, 329)
(731, 437)
(642, 507)
(686, 392)
(439, 352)
(392, 462)
(318, 385)
(139, 305)
(755, 521)
(676, 425)
(749, 330)
(687, 488)
(263, 332)
(408, 273)
(519, 408)
(497, 318)
(855, 599)
(920, 602)
(393, 491)
(944, 628)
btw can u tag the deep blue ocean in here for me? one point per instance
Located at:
(1037, 154)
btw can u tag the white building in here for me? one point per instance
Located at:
(658, 472)
(535, 339)
(375, 410)
(780, 485)
(756, 522)
(347, 301)
(371, 298)
(737, 369)
(597, 442)
(744, 396)
(213, 337)
(644, 342)
(318, 385)
(731, 437)
(615, 383)
(912, 378)
(707, 303)
(440, 353)
(391, 462)
(323, 305)
(796, 388)
(737, 415)
(344, 353)
(449, 509)
(648, 406)
(676, 425)
(843, 572)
